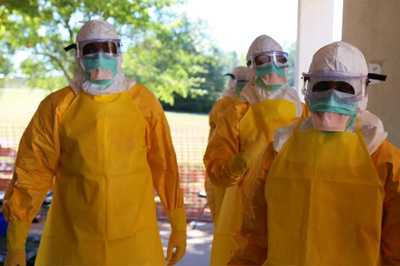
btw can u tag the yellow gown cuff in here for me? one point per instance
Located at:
(177, 218)
(17, 233)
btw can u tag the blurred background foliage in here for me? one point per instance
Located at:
(171, 55)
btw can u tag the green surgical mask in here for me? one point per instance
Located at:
(330, 104)
(262, 71)
(100, 61)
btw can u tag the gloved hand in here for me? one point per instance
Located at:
(236, 167)
(177, 241)
(17, 233)
(241, 162)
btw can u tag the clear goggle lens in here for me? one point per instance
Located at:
(241, 83)
(280, 59)
(349, 85)
(96, 47)
(340, 97)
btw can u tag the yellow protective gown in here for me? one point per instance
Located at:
(263, 118)
(223, 107)
(330, 203)
(224, 144)
(228, 140)
(102, 156)
(387, 162)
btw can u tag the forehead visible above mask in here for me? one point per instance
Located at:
(97, 30)
(262, 43)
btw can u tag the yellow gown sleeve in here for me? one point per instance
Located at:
(212, 117)
(215, 194)
(34, 172)
(164, 166)
(209, 187)
(218, 109)
(161, 154)
(224, 144)
(387, 161)
(37, 159)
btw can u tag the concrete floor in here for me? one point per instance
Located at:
(198, 243)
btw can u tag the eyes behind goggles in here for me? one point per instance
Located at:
(340, 86)
(108, 47)
(241, 82)
(280, 59)
(340, 97)
(232, 76)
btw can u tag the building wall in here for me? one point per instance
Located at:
(373, 26)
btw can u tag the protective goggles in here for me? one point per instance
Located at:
(278, 58)
(350, 85)
(233, 76)
(92, 47)
(240, 82)
(339, 97)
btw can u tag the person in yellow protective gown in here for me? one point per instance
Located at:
(225, 106)
(102, 145)
(232, 155)
(333, 190)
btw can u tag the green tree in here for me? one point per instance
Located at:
(167, 59)
(41, 75)
(178, 62)
(166, 52)
(5, 66)
(213, 83)
(46, 26)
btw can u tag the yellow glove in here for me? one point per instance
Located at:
(177, 241)
(17, 233)
(241, 162)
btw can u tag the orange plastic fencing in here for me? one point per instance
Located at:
(190, 133)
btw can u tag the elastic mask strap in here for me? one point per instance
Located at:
(70, 47)
(351, 123)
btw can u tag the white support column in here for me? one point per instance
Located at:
(319, 23)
